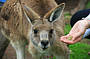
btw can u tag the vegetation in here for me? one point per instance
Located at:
(79, 51)
(67, 29)
(88, 5)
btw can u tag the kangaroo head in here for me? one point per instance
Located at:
(42, 34)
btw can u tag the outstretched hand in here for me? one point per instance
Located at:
(76, 33)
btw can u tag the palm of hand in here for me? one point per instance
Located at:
(76, 32)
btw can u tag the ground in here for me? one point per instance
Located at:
(10, 53)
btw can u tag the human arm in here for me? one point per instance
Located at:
(77, 31)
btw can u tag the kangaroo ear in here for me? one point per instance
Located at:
(55, 13)
(30, 14)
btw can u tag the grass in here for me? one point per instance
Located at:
(67, 29)
(87, 5)
(79, 51)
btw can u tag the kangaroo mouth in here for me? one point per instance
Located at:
(44, 48)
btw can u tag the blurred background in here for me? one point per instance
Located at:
(77, 51)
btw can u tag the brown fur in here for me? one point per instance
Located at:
(41, 6)
(15, 26)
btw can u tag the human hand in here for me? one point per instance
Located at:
(76, 33)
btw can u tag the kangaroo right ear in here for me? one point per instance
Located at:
(30, 14)
(55, 13)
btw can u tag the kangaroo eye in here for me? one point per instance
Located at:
(51, 31)
(35, 31)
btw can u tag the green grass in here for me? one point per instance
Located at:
(87, 5)
(79, 51)
(67, 14)
(67, 29)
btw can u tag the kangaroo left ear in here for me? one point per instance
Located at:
(55, 13)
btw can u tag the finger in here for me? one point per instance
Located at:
(68, 41)
(71, 41)
(78, 39)
(77, 35)
(64, 37)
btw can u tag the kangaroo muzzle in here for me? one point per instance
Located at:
(44, 39)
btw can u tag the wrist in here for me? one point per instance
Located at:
(88, 21)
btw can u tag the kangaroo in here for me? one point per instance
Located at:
(38, 25)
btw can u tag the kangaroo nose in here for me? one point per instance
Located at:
(44, 42)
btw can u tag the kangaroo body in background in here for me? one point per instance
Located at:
(36, 22)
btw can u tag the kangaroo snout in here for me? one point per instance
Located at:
(44, 43)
